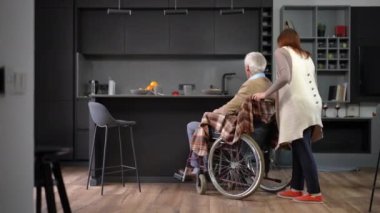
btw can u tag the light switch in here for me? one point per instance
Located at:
(16, 82)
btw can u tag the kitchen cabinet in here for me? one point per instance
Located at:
(145, 3)
(54, 29)
(239, 3)
(54, 3)
(151, 32)
(100, 33)
(54, 124)
(81, 114)
(192, 33)
(193, 3)
(81, 145)
(123, 4)
(365, 36)
(147, 32)
(54, 75)
(97, 3)
(237, 34)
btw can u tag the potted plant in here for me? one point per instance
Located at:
(321, 30)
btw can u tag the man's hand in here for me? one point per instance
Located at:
(259, 96)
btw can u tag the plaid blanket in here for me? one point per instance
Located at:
(231, 127)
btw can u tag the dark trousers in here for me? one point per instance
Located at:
(304, 166)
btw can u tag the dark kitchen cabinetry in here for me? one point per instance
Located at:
(54, 124)
(147, 32)
(54, 29)
(145, 3)
(81, 130)
(193, 3)
(365, 44)
(54, 3)
(144, 32)
(54, 74)
(237, 34)
(192, 33)
(239, 3)
(151, 32)
(100, 33)
(123, 3)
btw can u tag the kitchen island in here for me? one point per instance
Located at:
(161, 142)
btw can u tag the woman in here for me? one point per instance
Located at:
(299, 114)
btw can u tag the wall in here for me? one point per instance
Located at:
(334, 161)
(16, 106)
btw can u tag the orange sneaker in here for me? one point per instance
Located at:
(309, 199)
(289, 194)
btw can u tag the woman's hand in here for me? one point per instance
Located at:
(259, 96)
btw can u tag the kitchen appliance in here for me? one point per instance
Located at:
(111, 87)
(94, 85)
(187, 89)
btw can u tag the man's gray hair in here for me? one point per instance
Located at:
(256, 62)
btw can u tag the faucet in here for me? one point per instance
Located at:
(224, 90)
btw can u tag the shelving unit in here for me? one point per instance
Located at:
(330, 52)
(266, 37)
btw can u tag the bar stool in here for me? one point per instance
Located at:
(374, 182)
(46, 165)
(103, 119)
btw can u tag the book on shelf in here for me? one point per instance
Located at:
(338, 92)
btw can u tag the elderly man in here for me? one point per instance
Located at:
(254, 64)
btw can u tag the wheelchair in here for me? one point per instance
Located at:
(237, 170)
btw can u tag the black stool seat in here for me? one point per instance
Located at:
(47, 164)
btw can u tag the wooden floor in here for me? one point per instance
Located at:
(343, 192)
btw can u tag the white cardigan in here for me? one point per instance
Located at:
(299, 103)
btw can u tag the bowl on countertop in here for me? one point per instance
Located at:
(139, 91)
(212, 91)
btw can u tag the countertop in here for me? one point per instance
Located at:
(154, 96)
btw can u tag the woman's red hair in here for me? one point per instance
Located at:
(290, 37)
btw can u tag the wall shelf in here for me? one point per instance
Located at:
(330, 53)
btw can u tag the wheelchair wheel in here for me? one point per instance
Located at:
(278, 170)
(201, 184)
(236, 170)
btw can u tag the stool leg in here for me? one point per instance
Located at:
(121, 159)
(61, 187)
(48, 184)
(104, 157)
(91, 157)
(38, 181)
(374, 182)
(134, 157)
(38, 199)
